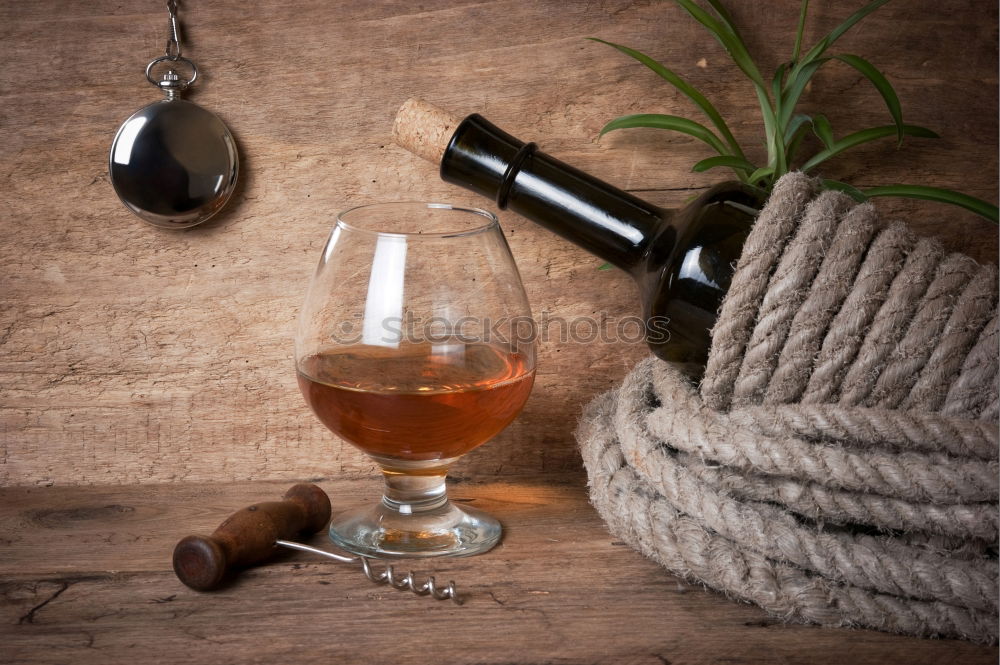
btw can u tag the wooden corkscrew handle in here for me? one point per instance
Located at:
(248, 536)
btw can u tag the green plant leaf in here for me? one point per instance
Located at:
(772, 136)
(796, 86)
(752, 212)
(938, 194)
(797, 128)
(798, 33)
(741, 166)
(822, 129)
(850, 190)
(839, 31)
(760, 174)
(864, 136)
(792, 147)
(795, 131)
(776, 134)
(730, 41)
(813, 53)
(795, 124)
(727, 19)
(605, 266)
(978, 206)
(692, 93)
(671, 122)
(881, 84)
(835, 34)
(778, 82)
(737, 50)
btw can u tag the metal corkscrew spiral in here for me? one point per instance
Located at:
(252, 535)
(388, 576)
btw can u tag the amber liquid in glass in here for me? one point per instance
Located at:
(418, 402)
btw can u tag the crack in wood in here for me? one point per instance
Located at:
(29, 617)
(53, 518)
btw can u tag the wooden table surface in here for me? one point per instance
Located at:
(86, 578)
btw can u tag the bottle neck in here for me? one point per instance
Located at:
(602, 219)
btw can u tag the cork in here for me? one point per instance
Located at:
(424, 129)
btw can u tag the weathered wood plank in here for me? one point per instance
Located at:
(85, 578)
(131, 355)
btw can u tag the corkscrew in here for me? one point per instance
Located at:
(388, 576)
(253, 534)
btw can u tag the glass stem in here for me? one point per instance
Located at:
(407, 494)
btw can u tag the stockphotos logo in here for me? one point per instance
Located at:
(599, 328)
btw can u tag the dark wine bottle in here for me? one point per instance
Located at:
(682, 260)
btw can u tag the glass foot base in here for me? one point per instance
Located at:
(385, 531)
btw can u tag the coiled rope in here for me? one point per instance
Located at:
(839, 463)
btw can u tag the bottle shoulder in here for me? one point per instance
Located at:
(724, 210)
(690, 266)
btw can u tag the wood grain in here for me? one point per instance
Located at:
(85, 578)
(133, 355)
